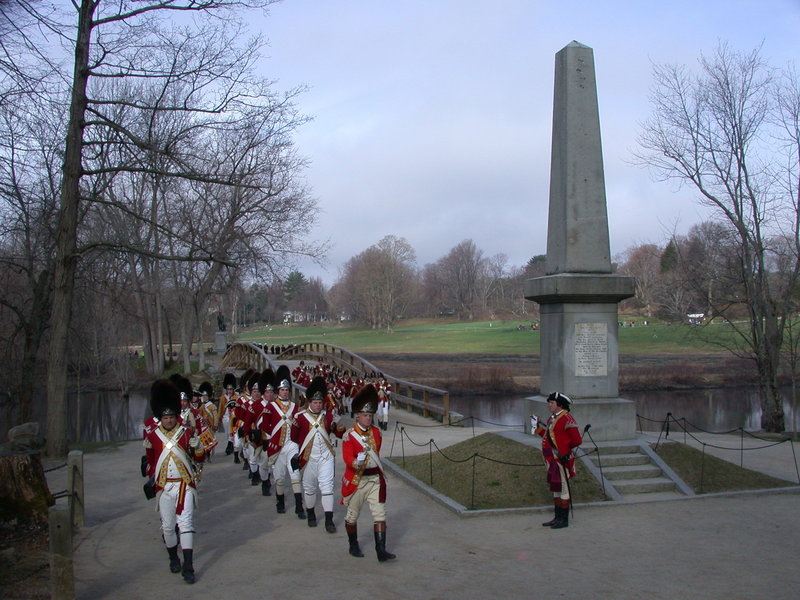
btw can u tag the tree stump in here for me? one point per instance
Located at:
(24, 494)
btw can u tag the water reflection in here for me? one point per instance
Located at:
(710, 410)
(106, 416)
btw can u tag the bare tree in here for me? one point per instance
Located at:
(380, 282)
(462, 271)
(731, 133)
(206, 78)
(643, 263)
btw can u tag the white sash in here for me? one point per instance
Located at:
(284, 420)
(362, 441)
(317, 427)
(171, 446)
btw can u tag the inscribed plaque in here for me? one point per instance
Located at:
(591, 349)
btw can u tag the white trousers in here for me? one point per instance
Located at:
(167, 505)
(319, 474)
(368, 491)
(281, 467)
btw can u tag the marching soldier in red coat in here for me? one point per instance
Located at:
(227, 410)
(560, 435)
(363, 479)
(172, 453)
(312, 431)
(276, 427)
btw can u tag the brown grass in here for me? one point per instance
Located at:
(707, 474)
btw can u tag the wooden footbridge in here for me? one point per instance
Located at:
(429, 401)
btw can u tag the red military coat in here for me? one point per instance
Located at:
(276, 423)
(355, 441)
(307, 425)
(560, 435)
(162, 446)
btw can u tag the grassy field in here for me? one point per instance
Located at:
(486, 337)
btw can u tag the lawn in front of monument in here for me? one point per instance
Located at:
(490, 471)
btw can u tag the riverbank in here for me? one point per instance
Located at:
(513, 373)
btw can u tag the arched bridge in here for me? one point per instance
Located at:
(412, 396)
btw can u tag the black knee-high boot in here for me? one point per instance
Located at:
(555, 516)
(188, 568)
(562, 516)
(330, 526)
(312, 517)
(352, 539)
(298, 506)
(380, 542)
(174, 561)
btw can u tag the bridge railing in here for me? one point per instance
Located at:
(429, 401)
(244, 355)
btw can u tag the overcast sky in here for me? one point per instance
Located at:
(432, 118)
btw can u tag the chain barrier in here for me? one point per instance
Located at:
(400, 428)
(684, 426)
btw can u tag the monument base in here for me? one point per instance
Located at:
(220, 342)
(612, 419)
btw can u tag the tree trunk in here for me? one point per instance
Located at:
(23, 489)
(66, 242)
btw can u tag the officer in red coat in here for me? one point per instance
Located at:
(363, 479)
(172, 455)
(560, 436)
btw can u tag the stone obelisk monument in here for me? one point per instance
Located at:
(579, 295)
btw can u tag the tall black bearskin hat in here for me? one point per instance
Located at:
(165, 398)
(206, 389)
(245, 378)
(317, 389)
(252, 383)
(283, 374)
(229, 381)
(184, 387)
(366, 400)
(562, 400)
(266, 381)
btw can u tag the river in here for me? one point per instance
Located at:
(707, 409)
(108, 416)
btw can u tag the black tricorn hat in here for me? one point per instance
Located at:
(561, 400)
(366, 400)
(165, 398)
(283, 374)
(317, 389)
(229, 380)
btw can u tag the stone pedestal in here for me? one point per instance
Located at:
(220, 342)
